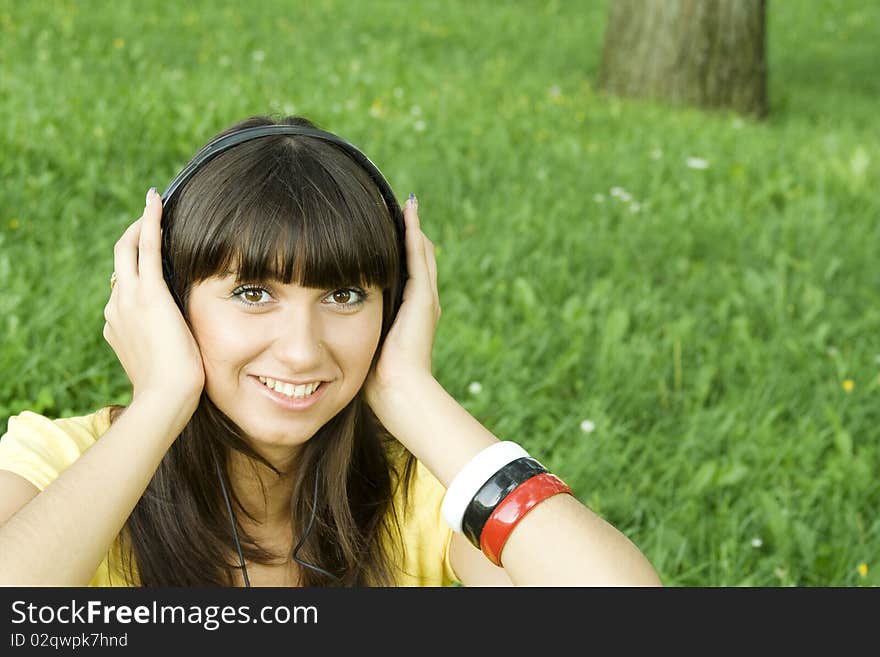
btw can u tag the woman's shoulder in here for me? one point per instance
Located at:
(79, 430)
(39, 448)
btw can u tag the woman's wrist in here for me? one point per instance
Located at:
(169, 410)
(389, 400)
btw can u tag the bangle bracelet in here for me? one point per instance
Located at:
(472, 476)
(513, 508)
(493, 492)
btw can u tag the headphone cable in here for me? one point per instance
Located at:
(302, 540)
(309, 529)
(244, 572)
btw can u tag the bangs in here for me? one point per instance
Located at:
(283, 213)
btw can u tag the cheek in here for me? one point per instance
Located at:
(356, 345)
(220, 343)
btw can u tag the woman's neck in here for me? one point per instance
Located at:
(252, 480)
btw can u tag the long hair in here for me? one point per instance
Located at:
(292, 209)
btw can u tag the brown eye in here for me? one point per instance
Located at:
(347, 298)
(252, 296)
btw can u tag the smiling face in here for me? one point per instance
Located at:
(254, 334)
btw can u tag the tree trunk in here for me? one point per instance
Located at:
(708, 53)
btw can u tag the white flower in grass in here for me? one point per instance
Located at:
(697, 163)
(475, 388)
(588, 426)
(258, 56)
(859, 162)
(419, 126)
(757, 542)
(415, 110)
(620, 193)
(599, 198)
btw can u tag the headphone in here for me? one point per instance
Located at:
(224, 143)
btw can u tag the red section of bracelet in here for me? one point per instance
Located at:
(513, 508)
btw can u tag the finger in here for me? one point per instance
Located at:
(431, 260)
(424, 282)
(415, 245)
(125, 254)
(429, 279)
(150, 242)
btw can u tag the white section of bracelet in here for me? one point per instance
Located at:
(472, 476)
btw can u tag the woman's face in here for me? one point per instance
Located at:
(252, 336)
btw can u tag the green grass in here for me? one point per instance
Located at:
(706, 331)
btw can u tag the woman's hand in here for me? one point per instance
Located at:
(406, 352)
(144, 325)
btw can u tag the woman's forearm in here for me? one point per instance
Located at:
(60, 537)
(560, 541)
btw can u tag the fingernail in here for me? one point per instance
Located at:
(151, 192)
(413, 201)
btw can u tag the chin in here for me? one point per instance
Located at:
(272, 437)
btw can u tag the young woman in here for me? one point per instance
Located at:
(285, 428)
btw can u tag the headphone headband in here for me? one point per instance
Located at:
(225, 142)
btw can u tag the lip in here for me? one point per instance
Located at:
(296, 383)
(289, 403)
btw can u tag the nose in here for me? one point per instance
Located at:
(299, 340)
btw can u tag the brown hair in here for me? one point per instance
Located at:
(292, 209)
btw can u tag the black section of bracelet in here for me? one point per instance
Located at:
(493, 492)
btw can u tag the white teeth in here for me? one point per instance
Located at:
(289, 389)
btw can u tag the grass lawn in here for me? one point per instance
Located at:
(677, 311)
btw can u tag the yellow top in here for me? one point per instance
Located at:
(39, 449)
